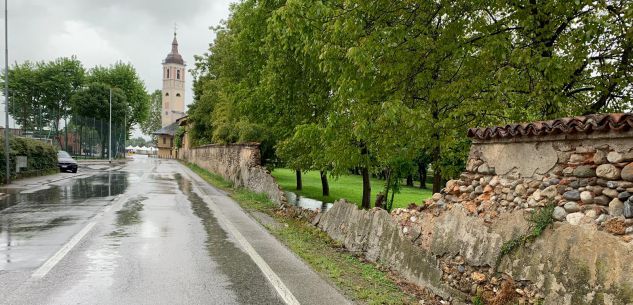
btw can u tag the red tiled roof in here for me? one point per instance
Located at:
(580, 124)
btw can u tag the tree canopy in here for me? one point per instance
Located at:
(154, 118)
(367, 85)
(124, 77)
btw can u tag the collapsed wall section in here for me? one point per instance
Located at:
(581, 168)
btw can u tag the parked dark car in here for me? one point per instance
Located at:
(66, 162)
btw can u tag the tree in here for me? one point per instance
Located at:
(124, 77)
(94, 101)
(138, 141)
(61, 79)
(154, 118)
(228, 103)
(26, 93)
(553, 58)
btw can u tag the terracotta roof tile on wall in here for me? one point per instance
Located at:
(581, 124)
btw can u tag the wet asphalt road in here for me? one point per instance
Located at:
(152, 240)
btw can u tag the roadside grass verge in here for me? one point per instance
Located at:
(360, 281)
(349, 187)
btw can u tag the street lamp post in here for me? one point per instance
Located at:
(6, 94)
(109, 130)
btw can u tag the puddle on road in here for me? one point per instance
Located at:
(307, 203)
(42, 226)
(246, 280)
(35, 218)
(129, 214)
(75, 192)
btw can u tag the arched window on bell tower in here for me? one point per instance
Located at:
(168, 73)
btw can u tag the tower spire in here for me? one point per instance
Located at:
(174, 43)
(174, 56)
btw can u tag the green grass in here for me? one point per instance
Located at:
(349, 187)
(363, 282)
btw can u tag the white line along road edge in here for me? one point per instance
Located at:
(61, 253)
(272, 277)
(51, 262)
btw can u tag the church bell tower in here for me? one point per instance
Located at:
(173, 86)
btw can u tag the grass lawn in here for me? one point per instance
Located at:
(349, 187)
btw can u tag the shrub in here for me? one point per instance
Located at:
(41, 157)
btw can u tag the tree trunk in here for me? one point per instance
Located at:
(422, 173)
(437, 181)
(409, 180)
(366, 204)
(299, 182)
(387, 188)
(325, 186)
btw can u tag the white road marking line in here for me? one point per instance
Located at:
(51, 262)
(61, 253)
(272, 277)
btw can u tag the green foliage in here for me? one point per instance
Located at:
(540, 219)
(178, 137)
(41, 157)
(154, 118)
(40, 92)
(477, 300)
(124, 78)
(94, 101)
(360, 84)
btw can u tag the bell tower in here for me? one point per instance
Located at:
(173, 86)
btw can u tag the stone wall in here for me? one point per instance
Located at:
(238, 163)
(579, 168)
(455, 255)
(589, 177)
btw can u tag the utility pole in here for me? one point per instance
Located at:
(109, 130)
(124, 136)
(6, 94)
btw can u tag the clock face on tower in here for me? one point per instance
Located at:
(173, 85)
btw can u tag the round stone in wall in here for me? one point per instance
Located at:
(584, 171)
(624, 196)
(586, 197)
(628, 209)
(600, 157)
(616, 207)
(627, 172)
(575, 218)
(572, 195)
(615, 157)
(571, 207)
(559, 213)
(608, 171)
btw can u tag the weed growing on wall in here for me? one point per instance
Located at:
(540, 219)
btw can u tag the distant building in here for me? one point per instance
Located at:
(173, 100)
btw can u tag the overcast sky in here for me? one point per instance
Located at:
(101, 32)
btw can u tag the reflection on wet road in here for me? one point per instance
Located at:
(156, 243)
(33, 224)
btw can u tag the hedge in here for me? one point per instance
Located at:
(41, 157)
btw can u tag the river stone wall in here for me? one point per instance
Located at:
(238, 163)
(589, 177)
(582, 168)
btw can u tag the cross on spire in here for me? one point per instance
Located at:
(175, 28)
